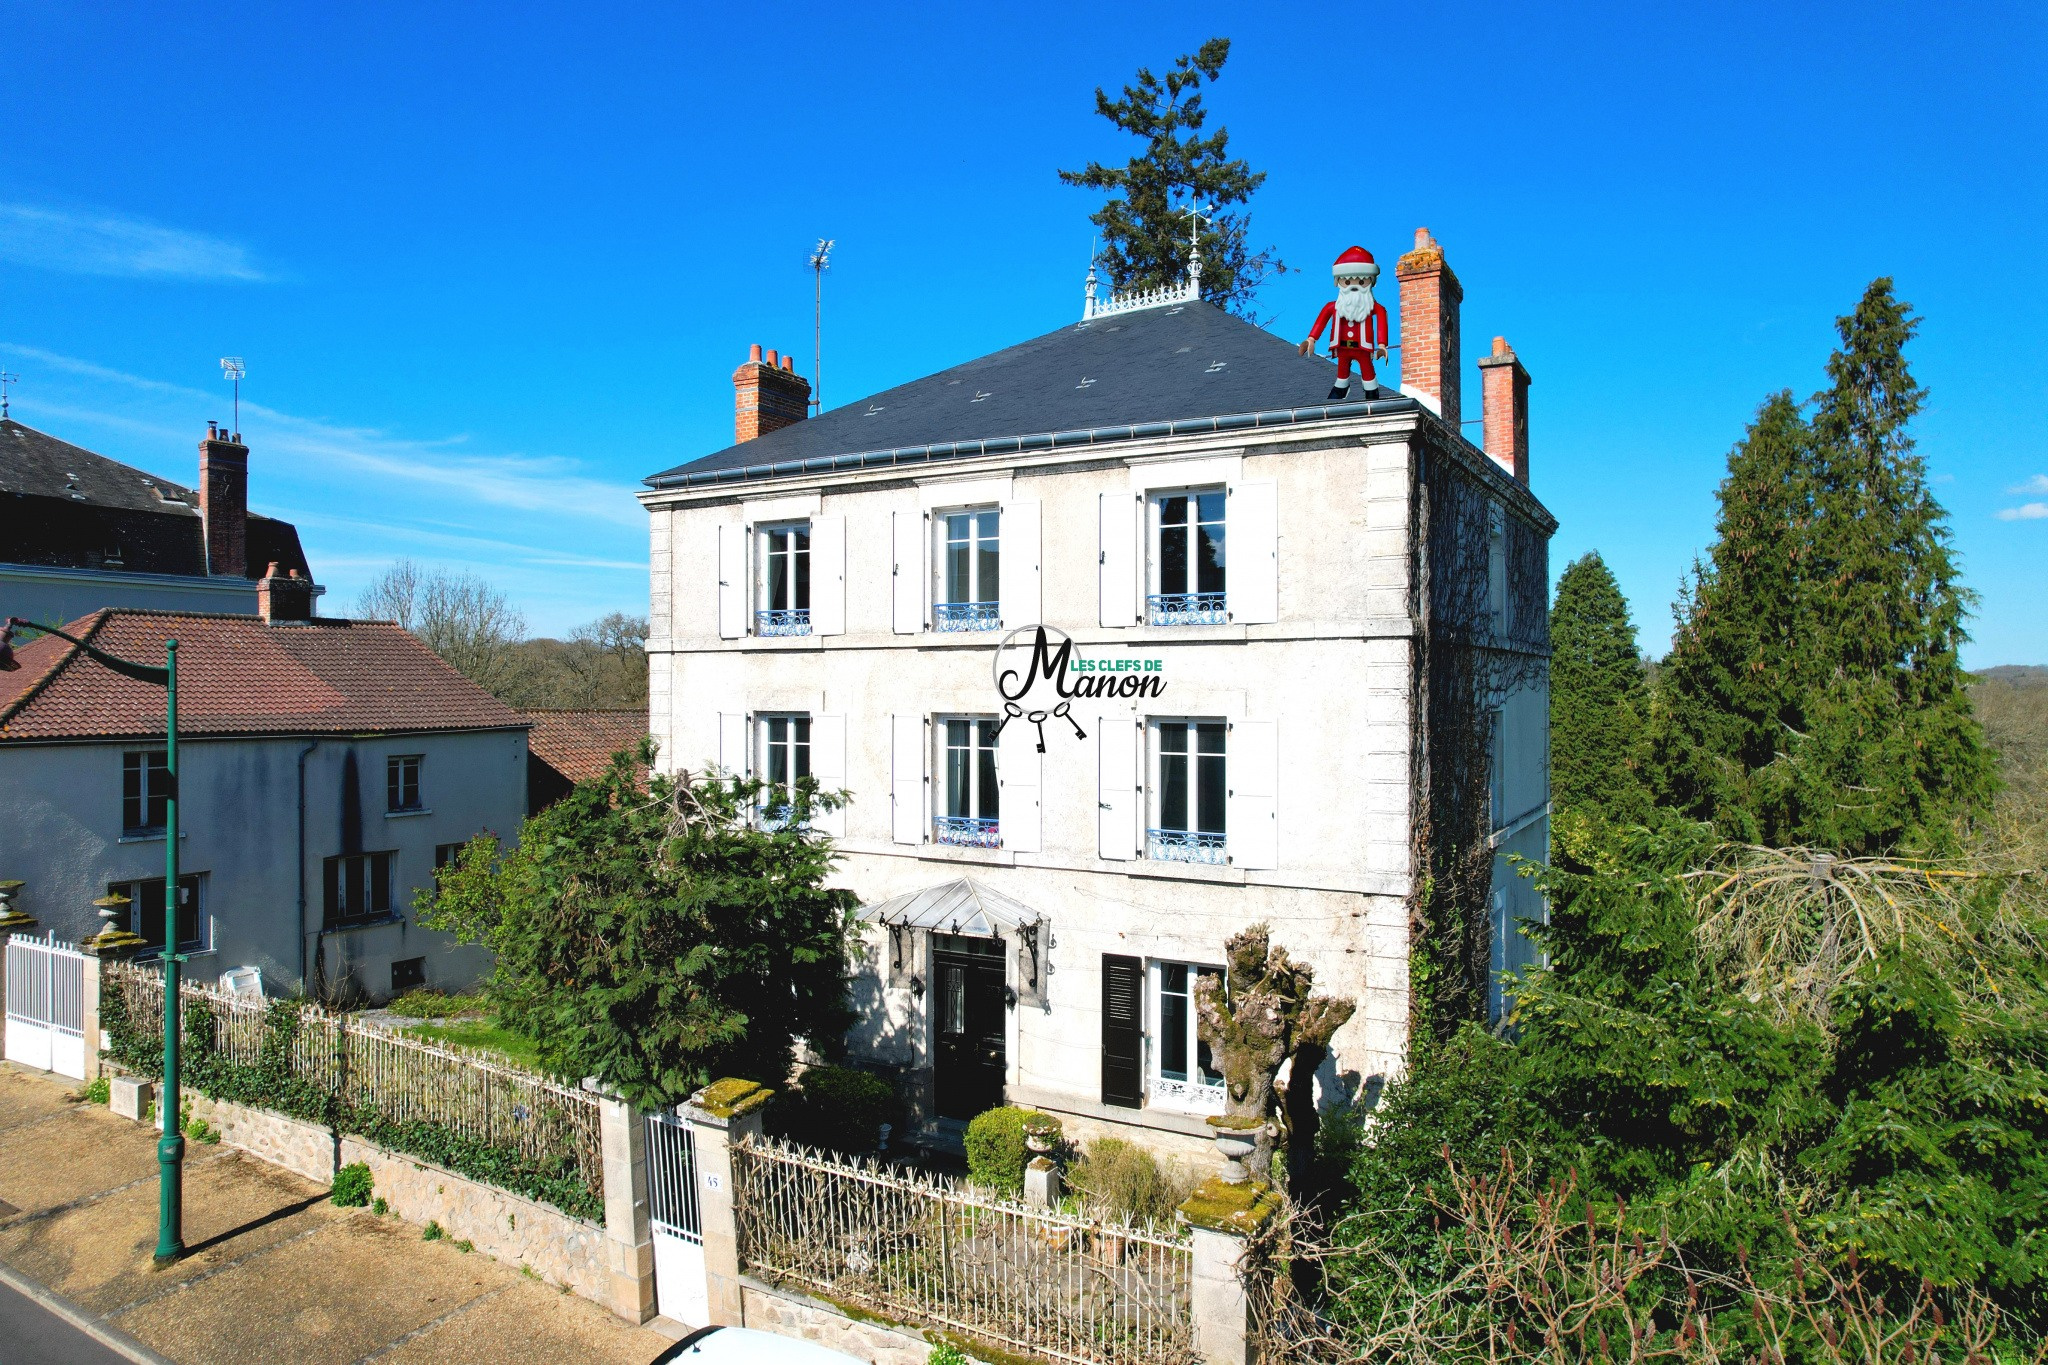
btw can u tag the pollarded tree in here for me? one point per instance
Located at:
(1145, 231)
(1599, 702)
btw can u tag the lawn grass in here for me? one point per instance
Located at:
(485, 1034)
(429, 1004)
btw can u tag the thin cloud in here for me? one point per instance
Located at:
(104, 244)
(2037, 484)
(2029, 511)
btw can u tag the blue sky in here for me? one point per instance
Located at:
(491, 264)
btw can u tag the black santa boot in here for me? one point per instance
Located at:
(1340, 390)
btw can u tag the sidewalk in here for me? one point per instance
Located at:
(273, 1272)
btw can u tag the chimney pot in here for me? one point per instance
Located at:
(1505, 407)
(286, 598)
(773, 359)
(754, 353)
(1500, 345)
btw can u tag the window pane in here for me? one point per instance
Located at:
(1173, 776)
(188, 911)
(953, 999)
(380, 883)
(131, 791)
(1211, 792)
(778, 571)
(957, 560)
(956, 779)
(1205, 1061)
(149, 911)
(394, 786)
(1173, 545)
(1173, 1029)
(800, 755)
(986, 569)
(1209, 573)
(988, 791)
(801, 552)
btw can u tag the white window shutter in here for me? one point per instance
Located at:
(1118, 559)
(828, 765)
(1252, 533)
(1017, 768)
(828, 575)
(906, 778)
(1018, 569)
(1252, 768)
(1116, 788)
(732, 582)
(907, 583)
(732, 743)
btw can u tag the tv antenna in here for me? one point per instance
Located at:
(232, 367)
(821, 260)
(6, 379)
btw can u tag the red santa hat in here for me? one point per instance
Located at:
(1356, 264)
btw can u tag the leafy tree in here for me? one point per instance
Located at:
(1814, 694)
(656, 934)
(1599, 702)
(1145, 231)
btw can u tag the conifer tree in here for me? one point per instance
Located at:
(1599, 703)
(1145, 230)
(1814, 693)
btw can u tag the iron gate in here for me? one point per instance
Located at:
(46, 1005)
(679, 1287)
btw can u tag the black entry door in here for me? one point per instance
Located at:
(968, 1065)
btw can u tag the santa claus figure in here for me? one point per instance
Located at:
(1361, 324)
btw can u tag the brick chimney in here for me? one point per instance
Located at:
(1430, 295)
(767, 395)
(1505, 395)
(224, 502)
(283, 597)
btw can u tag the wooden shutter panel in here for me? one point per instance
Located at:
(1252, 763)
(1252, 531)
(732, 582)
(906, 779)
(828, 575)
(1123, 1031)
(1017, 570)
(828, 765)
(1118, 559)
(1116, 782)
(906, 610)
(1018, 767)
(732, 743)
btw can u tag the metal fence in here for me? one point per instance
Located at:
(400, 1079)
(925, 1250)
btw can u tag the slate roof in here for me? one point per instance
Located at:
(64, 505)
(237, 675)
(579, 744)
(1151, 365)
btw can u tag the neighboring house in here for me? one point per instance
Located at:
(566, 747)
(1308, 682)
(85, 532)
(326, 768)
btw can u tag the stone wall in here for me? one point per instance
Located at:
(561, 1250)
(790, 1314)
(305, 1148)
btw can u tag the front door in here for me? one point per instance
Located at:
(969, 1021)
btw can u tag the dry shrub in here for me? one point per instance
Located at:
(1121, 1180)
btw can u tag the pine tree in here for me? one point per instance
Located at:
(1145, 230)
(1598, 700)
(1814, 693)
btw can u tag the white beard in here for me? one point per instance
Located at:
(1354, 304)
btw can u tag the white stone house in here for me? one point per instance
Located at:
(326, 767)
(1308, 670)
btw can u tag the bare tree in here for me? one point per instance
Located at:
(459, 616)
(393, 595)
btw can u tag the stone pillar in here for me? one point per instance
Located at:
(1042, 1184)
(1224, 1218)
(719, 1115)
(628, 1239)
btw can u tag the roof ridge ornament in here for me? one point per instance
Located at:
(1189, 290)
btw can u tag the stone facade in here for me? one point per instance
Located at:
(308, 1149)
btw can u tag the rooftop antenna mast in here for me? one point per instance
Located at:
(234, 369)
(1196, 218)
(821, 260)
(6, 379)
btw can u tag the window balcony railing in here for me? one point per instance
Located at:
(1183, 846)
(1187, 609)
(796, 622)
(965, 831)
(967, 616)
(1192, 1095)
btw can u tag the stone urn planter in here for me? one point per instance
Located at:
(1236, 1139)
(1041, 1134)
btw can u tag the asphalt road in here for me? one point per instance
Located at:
(31, 1334)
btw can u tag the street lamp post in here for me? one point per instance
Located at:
(170, 1149)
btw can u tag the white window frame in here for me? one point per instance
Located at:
(203, 921)
(975, 613)
(1190, 607)
(395, 765)
(764, 731)
(793, 619)
(965, 831)
(1184, 845)
(1192, 1093)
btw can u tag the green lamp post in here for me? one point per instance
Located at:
(170, 1149)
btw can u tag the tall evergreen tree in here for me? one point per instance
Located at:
(1814, 693)
(1145, 230)
(1599, 703)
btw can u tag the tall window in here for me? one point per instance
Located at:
(146, 910)
(145, 785)
(1188, 560)
(1188, 792)
(785, 581)
(1497, 567)
(785, 757)
(1186, 1072)
(971, 794)
(357, 889)
(969, 571)
(402, 783)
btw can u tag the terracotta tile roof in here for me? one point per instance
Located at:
(579, 744)
(237, 675)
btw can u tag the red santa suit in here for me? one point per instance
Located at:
(1353, 340)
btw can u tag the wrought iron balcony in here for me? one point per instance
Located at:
(1183, 846)
(1187, 609)
(1193, 1095)
(966, 615)
(796, 622)
(967, 832)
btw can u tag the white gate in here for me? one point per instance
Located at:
(46, 1005)
(680, 1291)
